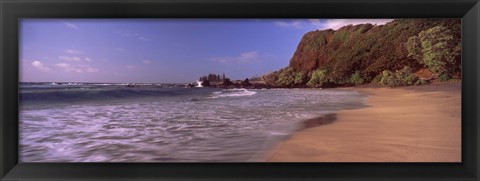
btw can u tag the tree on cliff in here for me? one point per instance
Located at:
(286, 77)
(437, 49)
(300, 78)
(289, 77)
(319, 78)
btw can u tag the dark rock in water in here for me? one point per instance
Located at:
(206, 83)
(246, 82)
(189, 85)
(227, 82)
(132, 85)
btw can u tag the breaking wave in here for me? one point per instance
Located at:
(233, 93)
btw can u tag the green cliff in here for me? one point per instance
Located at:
(401, 52)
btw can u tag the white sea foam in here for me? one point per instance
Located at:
(199, 84)
(233, 93)
(170, 128)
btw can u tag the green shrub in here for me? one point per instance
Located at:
(377, 78)
(300, 78)
(339, 81)
(340, 36)
(318, 79)
(444, 77)
(271, 78)
(286, 77)
(357, 78)
(420, 82)
(388, 78)
(406, 76)
(402, 77)
(437, 49)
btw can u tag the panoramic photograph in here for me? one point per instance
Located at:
(240, 90)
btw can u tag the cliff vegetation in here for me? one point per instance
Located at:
(401, 52)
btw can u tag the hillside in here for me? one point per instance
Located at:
(401, 52)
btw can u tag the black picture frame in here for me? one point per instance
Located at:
(12, 10)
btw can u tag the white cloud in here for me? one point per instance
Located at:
(315, 22)
(324, 24)
(248, 56)
(120, 49)
(245, 57)
(134, 35)
(88, 59)
(63, 65)
(39, 65)
(70, 59)
(68, 68)
(291, 24)
(92, 70)
(88, 69)
(71, 51)
(130, 67)
(147, 61)
(71, 25)
(338, 23)
(76, 68)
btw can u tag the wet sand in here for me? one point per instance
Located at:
(407, 124)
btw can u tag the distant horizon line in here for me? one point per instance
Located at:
(105, 82)
(114, 82)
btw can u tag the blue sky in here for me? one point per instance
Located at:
(160, 50)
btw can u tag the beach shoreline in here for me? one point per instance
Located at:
(404, 124)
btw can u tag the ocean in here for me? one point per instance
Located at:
(104, 122)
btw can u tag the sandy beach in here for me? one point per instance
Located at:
(406, 124)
